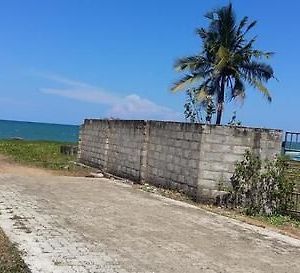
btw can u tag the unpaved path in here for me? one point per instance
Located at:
(67, 224)
(8, 166)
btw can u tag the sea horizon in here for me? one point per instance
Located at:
(43, 131)
(41, 122)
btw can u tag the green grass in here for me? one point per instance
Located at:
(44, 154)
(281, 220)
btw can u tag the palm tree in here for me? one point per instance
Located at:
(227, 63)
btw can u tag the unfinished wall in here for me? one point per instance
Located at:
(173, 155)
(197, 159)
(93, 149)
(223, 146)
(125, 145)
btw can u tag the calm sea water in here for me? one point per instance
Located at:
(38, 131)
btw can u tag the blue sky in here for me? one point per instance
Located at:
(65, 60)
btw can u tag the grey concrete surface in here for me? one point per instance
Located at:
(195, 158)
(68, 224)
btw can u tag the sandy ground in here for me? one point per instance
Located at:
(68, 224)
(8, 166)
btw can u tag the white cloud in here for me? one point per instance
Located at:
(133, 106)
(81, 94)
(128, 107)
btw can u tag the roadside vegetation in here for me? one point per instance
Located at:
(42, 154)
(260, 194)
(262, 187)
(263, 191)
(10, 259)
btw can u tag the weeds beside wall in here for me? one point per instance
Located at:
(262, 186)
(194, 158)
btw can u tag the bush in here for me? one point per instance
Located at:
(261, 186)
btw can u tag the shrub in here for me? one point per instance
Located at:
(261, 186)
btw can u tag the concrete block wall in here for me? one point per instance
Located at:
(125, 146)
(223, 146)
(195, 158)
(173, 155)
(93, 143)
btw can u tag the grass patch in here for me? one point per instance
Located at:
(42, 154)
(281, 221)
(38, 153)
(10, 259)
(285, 224)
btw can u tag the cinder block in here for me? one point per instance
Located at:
(172, 150)
(170, 167)
(158, 148)
(187, 154)
(240, 150)
(223, 148)
(186, 145)
(188, 135)
(209, 156)
(207, 184)
(179, 135)
(212, 175)
(210, 138)
(192, 164)
(195, 145)
(232, 158)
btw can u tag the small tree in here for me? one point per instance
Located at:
(194, 110)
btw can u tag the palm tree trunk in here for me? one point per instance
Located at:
(221, 96)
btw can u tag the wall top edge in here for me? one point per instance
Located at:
(261, 129)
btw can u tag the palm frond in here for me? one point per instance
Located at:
(242, 24)
(259, 85)
(202, 33)
(186, 80)
(191, 63)
(257, 70)
(250, 26)
(238, 90)
(246, 49)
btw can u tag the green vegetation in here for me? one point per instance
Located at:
(227, 62)
(10, 260)
(278, 220)
(261, 187)
(43, 154)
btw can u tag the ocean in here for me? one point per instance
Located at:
(38, 131)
